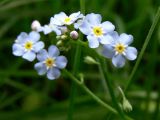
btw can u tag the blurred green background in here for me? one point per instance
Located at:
(26, 96)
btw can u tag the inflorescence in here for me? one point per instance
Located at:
(99, 35)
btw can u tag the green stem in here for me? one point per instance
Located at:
(75, 68)
(143, 48)
(103, 67)
(97, 99)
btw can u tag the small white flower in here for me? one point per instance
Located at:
(96, 31)
(119, 49)
(27, 45)
(62, 19)
(50, 62)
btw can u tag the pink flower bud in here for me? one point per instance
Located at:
(35, 25)
(74, 35)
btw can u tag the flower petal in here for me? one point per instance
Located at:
(17, 49)
(42, 55)
(85, 28)
(94, 19)
(46, 29)
(108, 26)
(22, 37)
(61, 62)
(56, 30)
(38, 46)
(93, 42)
(34, 36)
(114, 35)
(108, 51)
(118, 61)
(75, 16)
(53, 73)
(126, 39)
(55, 21)
(107, 39)
(53, 51)
(131, 53)
(30, 56)
(41, 68)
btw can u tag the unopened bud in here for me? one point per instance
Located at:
(35, 25)
(90, 60)
(74, 35)
(58, 37)
(64, 37)
(59, 43)
(126, 105)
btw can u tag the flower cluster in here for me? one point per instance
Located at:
(98, 34)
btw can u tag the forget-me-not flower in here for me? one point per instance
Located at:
(50, 62)
(27, 45)
(120, 49)
(62, 19)
(96, 31)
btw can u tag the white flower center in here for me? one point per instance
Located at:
(97, 31)
(49, 62)
(28, 45)
(120, 48)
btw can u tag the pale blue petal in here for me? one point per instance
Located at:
(40, 68)
(94, 19)
(56, 30)
(118, 61)
(22, 37)
(53, 73)
(93, 41)
(74, 16)
(53, 51)
(42, 55)
(78, 24)
(108, 26)
(61, 62)
(38, 46)
(114, 35)
(17, 49)
(30, 56)
(108, 51)
(131, 53)
(55, 21)
(34, 36)
(107, 39)
(85, 28)
(47, 29)
(126, 39)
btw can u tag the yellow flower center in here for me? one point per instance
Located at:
(97, 31)
(49, 62)
(120, 48)
(67, 20)
(28, 45)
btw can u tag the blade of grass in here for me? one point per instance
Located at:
(130, 80)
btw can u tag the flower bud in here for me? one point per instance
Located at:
(74, 35)
(59, 43)
(58, 37)
(35, 25)
(126, 105)
(63, 37)
(90, 60)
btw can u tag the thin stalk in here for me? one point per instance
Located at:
(103, 67)
(143, 48)
(97, 99)
(75, 69)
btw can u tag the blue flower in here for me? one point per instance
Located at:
(50, 62)
(62, 19)
(27, 45)
(119, 49)
(96, 31)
